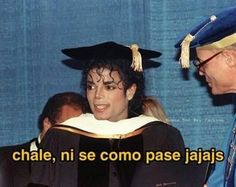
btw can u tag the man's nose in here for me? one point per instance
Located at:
(99, 93)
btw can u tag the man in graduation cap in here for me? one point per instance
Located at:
(215, 44)
(114, 86)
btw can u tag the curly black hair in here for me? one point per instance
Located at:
(128, 78)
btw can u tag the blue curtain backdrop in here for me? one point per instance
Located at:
(33, 33)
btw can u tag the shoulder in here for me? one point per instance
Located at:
(159, 134)
(59, 137)
(161, 127)
(11, 148)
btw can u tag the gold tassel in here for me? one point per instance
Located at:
(185, 45)
(136, 58)
(184, 57)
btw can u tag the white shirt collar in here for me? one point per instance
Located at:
(33, 144)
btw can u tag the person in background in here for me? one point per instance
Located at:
(152, 107)
(58, 108)
(215, 43)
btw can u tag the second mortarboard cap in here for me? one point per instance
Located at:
(112, 51)
(218, 31)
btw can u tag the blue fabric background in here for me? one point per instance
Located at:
(33, 33)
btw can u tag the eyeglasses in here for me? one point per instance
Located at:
(199, 64)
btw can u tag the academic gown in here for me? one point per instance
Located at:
(153, 136)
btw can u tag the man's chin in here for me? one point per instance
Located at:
(214, 92)
(217, 92)
(100, 117)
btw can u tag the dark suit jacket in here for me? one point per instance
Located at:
(12, 173)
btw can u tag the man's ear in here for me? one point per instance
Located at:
(230, 57)
(131, 91)
(46, 125)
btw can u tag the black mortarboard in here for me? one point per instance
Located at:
(112, 51)
(218, 31)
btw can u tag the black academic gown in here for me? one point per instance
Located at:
(154, 136)
(12, 173)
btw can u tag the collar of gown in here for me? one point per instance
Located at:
(87, 122)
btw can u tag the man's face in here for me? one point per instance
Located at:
(216, 71)
(66, 112)
(106, 96)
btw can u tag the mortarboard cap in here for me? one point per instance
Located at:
(112, 51)
(218, 31)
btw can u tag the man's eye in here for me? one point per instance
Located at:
(90, 87)
(110, 87)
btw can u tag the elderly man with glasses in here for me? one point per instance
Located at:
(215, 43)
